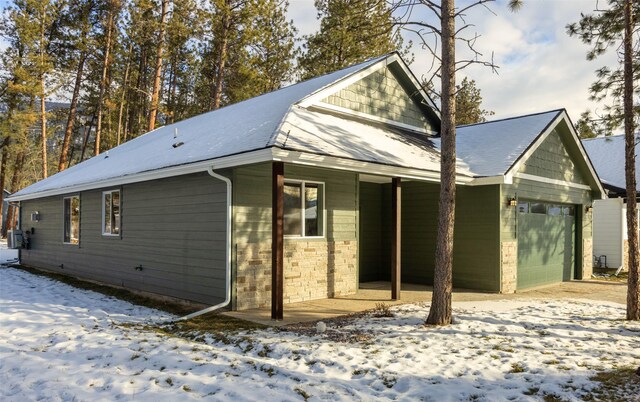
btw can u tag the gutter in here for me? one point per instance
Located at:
(227, 299)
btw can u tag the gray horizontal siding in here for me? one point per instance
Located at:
(174, 228)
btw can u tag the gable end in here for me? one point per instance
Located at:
(552, 160)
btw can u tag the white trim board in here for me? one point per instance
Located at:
(551, 181)
(262, 155)
(248, 158)
(330, 162)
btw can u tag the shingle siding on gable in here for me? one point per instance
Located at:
(552, 160)
(380, 94)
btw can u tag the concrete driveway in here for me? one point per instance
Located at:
(373, 293)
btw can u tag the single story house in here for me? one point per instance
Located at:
(306, 192)
(610, 241)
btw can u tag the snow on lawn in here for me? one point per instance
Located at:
(62, 343)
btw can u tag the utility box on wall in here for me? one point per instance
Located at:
(15, 239)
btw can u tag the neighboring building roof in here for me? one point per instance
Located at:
(607, 156)
(491, 148)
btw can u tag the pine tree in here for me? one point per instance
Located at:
(155, 94)
(351, 31)
(469, 104)
(615, 27)
(77, 21)
(445, 36)
(110, 20)
(265, 61)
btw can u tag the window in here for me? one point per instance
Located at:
(111, 213)
(554, 210)
(568, 211)
(523, 207)
(538, 208)
(303, 209)
(71, 214)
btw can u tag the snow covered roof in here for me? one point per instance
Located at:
(607, 156)
(491, 148)
(242, 127)
(325, 134)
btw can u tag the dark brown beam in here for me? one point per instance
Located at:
(277, 242)
(396, 209)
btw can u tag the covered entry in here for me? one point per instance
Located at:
(546, 243)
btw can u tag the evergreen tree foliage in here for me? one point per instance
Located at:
(603, 31)
(469, 104)
(99, 61)
(351, 31)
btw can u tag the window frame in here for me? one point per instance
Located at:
(303, 209)
(102, 199)
(70, 197)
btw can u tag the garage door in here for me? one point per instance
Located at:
(546, 234)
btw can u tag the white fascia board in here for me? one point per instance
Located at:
(345, 82)
(489, 180)
(584, 155)
(330, 162)
(551, 181)
(345, 111)
(259, 156)
(262, 155)
(417, 84)
(534, 147)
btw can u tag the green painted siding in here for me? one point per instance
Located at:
(552, 160)
(252, 201)
(380, 94)
(174, 228)
(476, 261)
(533, 190)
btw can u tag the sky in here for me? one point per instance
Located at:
(541, 67)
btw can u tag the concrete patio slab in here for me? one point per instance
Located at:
(372, 293)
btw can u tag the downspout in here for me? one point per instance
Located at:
(227, 299)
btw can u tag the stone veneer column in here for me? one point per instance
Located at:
(509, 266)
(587, 257)
(312, 270)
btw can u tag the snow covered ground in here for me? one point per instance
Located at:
(7, 255)
(60, 343)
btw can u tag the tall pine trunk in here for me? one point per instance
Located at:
(440, 311)
(73, 108)
(222, 57)
(3, 174)
(633, 308)
(155, 95)
(125, 82)
(43, 111)
(103, 80)
(17, 170)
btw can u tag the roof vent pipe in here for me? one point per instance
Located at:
(228, 254)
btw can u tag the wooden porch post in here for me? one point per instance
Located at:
(277, 241)
(396, 206)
